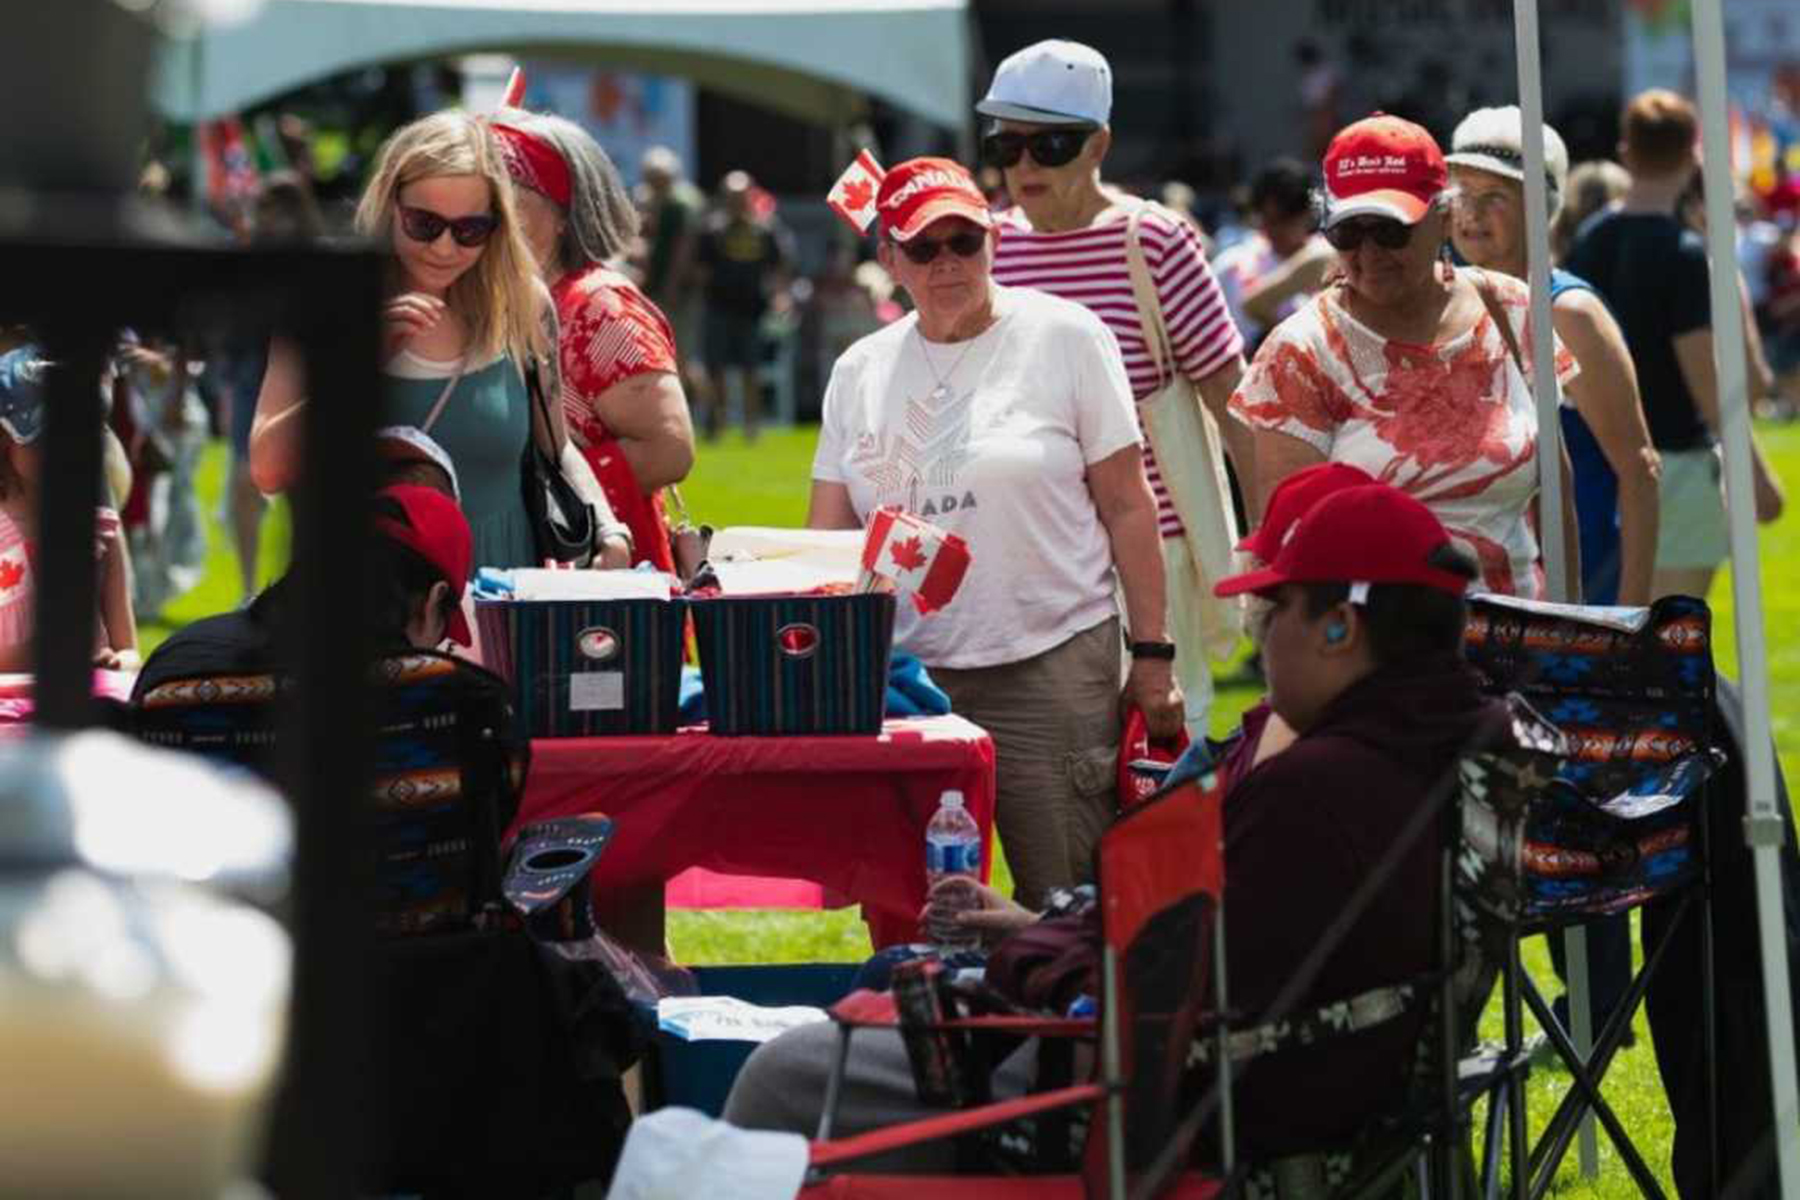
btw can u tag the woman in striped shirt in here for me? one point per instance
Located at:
(1068, 236)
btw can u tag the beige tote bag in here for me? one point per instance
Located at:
(1190, 454)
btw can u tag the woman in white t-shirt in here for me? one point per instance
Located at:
(1004, 415)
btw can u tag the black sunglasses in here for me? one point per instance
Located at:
(1049, 147)
(423, 225)
(1384, 232)
(966, 244)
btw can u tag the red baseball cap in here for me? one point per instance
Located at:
(922, 190)
(1368, 534)
(437, 532)
(1383, 166)
(1292, 498)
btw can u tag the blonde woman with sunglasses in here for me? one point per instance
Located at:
(465, 319)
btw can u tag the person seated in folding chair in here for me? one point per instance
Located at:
(420, 567)
(1331, 852)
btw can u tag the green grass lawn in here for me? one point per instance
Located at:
(765, 483)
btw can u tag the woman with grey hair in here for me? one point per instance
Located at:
(1616, 468)
(1407, 366)
(621, 392)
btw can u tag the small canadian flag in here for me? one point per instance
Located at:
(852, 197)
(915, 556)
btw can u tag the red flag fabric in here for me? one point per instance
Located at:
(852, 197)
(916, 556)
(1135, 746)
(231, 175)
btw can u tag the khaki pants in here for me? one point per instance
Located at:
(1054, 719)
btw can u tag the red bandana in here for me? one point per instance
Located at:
(534, 163)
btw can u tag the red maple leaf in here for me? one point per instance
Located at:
(908, 554)
(10, 574)
(857, 194)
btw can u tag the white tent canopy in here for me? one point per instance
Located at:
(815, 59)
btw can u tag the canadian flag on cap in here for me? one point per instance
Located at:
(852, 197)
(916, 556)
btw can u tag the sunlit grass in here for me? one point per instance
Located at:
(765, 483)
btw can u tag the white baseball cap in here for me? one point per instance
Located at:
(1491, 140)
(409, 443)
(1051, 83)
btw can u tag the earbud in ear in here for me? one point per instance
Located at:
(1336, 632)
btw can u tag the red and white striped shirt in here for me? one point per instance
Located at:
(1089, 267)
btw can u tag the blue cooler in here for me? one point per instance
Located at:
(784, 665)
(700, 1074)
(580, 668)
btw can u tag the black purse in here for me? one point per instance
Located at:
(563, 525)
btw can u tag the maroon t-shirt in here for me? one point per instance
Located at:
(1303, 830)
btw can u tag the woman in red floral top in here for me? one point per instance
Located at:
(1407, 367)
(621, 392)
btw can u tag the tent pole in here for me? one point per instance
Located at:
(196, 144)
(1763, 825)
(1550, 479)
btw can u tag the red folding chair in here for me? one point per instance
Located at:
(1161, 879)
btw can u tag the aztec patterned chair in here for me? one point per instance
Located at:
(497, 1054)
(1615, 820)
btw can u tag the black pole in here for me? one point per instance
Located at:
(328, 750)
(1184, 51)
(65, 604)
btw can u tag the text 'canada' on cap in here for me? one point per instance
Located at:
(922, 190)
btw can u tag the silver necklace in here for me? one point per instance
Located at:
(942, 389)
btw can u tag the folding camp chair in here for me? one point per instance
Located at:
(497, 1055)
(1424, 1137)
(1615, 827)
(227, 718)
(1161, 880)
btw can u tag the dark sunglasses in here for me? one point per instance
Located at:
(423, 225)
(1049, 147)
(966, 244)
(1388, 234)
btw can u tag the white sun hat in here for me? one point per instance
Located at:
(1490, 139)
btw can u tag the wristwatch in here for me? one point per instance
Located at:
(1161, 650)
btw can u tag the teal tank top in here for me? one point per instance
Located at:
(482, 428)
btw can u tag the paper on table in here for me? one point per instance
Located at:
(1624, 619)
(825, 546)
(755, 560)
(534, 583)
(752, 578)
(728, 1019)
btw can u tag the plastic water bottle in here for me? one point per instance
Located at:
(952, 851)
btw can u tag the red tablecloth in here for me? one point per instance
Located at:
(846, 812)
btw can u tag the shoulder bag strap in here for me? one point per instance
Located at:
(437, 410)
(534, 384)
(1149, 306)
(1485, 287)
